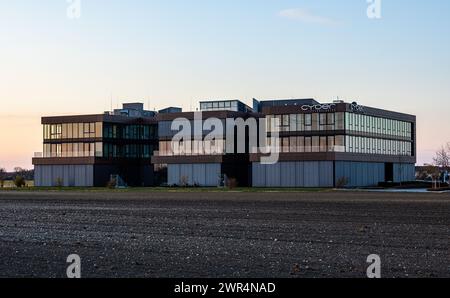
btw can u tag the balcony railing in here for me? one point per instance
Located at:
(68, 154)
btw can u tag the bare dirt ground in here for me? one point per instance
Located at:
(144, 234)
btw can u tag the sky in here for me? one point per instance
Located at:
(177, 52)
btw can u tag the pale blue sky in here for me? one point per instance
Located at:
(180, 52)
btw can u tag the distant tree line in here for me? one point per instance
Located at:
(19, 176)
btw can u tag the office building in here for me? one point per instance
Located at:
(337, 144)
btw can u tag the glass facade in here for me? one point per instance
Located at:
(377, 146)
(376, 125)
(219, 105)
(112, 150)
(307, 122)
(224, 105)
(97, 139)
(360, 133)
(192, 148)
(302, 144)
(73, 150)
(129, 132)
(73, 131)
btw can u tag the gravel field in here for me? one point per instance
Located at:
(224, 234)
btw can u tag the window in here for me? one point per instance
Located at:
(278, 123)
(330, 147)
(301, 144)
(70, 150)
(46, 132)
(99, 149)
(315, 122)
(308, 144)
(293, 122)
(64, 131)
(300, 122)
(285, 146)
(322, 121)
(323, 144)
(315, 144)
(347, 121)
(64, 150)
(55, 131)
(269, 123)
(330, 121)
(339, 144)
(362, 123)
(92, 130)
(80, 130)
(285, 120)
(308, 122)
(293, 144)
(75, 150)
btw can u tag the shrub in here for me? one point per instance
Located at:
(2, 177)
(59, 182)
(19, 181)
(232, 183)
(184, 181)
(342, 182)
(112, 183)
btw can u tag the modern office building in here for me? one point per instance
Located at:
(86, 150)
(337, 144)
(197, 159)
(318, 145)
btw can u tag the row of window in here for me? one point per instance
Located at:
(72, 131)
(219, 105)
(73, 150)
(191, 147)
(129, 132)
(338, 121)
(308, 144)
(285, 145)
(127, 151)
(377, 125)
(305, 122)
(98, 130)
(296, 144)
(98, 149)
(336, 144)
(378, 146)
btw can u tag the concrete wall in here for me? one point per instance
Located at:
(201, 174)
(404, 172)
(370, 174)
(293, 174)
(71, 175)
(360, 174)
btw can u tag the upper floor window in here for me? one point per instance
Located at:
(306, 122)
(73, 131)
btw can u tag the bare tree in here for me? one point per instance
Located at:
(434, 172)
(442, 158)
(2, 177)
(19, 171)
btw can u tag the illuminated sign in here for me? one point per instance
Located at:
(319, 107)
(355, 107)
